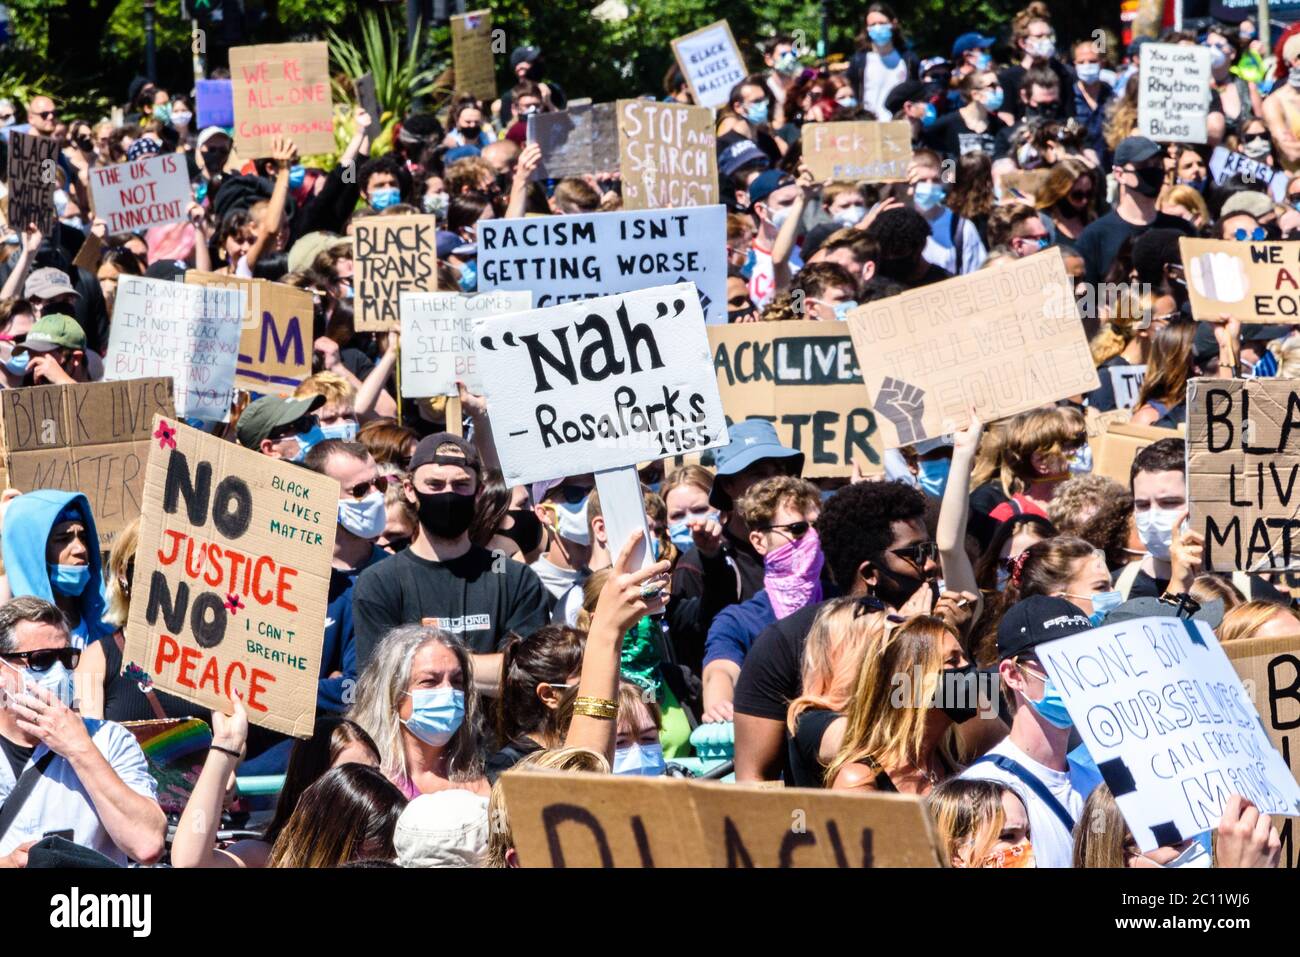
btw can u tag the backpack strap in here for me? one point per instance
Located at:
(1124, 584)
(955, 230)
(22, 791)
(1030, 781)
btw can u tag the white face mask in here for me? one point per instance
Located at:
(366, 518)
(56, 679)
(571, 522)
(643, 759)
(1156, 528)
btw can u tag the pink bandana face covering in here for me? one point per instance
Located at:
(792, 574)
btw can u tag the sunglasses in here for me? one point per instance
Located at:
(48, 114)
(1078, 195)
(1257, 234)
(870, 604)
(362, 489)
(43, 659)
(796, 529)
(917, 554)
(573, 494)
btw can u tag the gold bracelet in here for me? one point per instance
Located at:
(596, 707)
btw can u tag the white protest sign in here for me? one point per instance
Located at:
(600, 384)
(438, 342)
(1174, 97)
(1225, 164)
(711, 63)
(1171, 729)
(145, 192)
(567, 258)
(190, 333)
(622, 505)
(1126, 383)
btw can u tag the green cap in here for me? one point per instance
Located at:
(54, 331)
(271, 412)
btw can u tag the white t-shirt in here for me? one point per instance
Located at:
(59, 802)
(1053, 844)
(762, 281)
(881, 75)
(940, 252)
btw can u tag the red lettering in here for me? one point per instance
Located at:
(210, 674)
(189, 658)
(255, 687)
(230, 671)
(176, 538)
(189, 555)
(263, 598)
(213, 576)
(283, 586)
(168, 651)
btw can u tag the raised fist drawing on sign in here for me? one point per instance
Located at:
(904, 406)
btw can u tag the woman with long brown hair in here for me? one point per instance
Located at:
(349, 815)
(1069, 197)
(1161, 402)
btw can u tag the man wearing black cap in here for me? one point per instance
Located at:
(1033, 760)
(910, 101)
(443, 578)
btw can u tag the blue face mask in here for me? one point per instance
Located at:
(384, 197)
(1081, 460)
(69, 580)
(982, 61)
(881, 34)
(680, 534)
(642, 759)
(296, 175)
(345, 430)
(756, 113)
(933, 477)
(1196, 184)
(929, 116)
(993, 102)
(17, 365)
(848, 103)
(56, 679)
(654, 548)
(1050, 707)
(1102, 603)
(436, 714)
(751, 260)
(929, 195)
(843, 309)
(306, 440)
(468, 281)
(1089, 73)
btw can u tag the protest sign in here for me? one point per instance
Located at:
(438, 340)
(1172, 731)
(282, 89)
(190, 333)
(274, 344)
(667, 155)
(858, 151)
(1120, 442)
(32, 174)
(1242, 467)
(606, 382)
(601, 820)
(803, 377)
(368, 100)
(711, 63)
(1248, 281)
(175, 749)
(471, 54)
(391, 255)
(579, 141)
(216, 103)
(1126, 383)
(1174, 92)
(567, 258)
(231, 577)
(1000, 341)
(1225, 165)
(144, 192)
(90, 437)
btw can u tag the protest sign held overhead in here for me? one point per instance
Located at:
(1247, 281)
(282, 89)
(1126, 383)
(1118, 443)
(275, 345)
(804, 378)
(858, 151)
(391, 255)
(566, 258)
(582, 140)
(1225, 165)
(215, 103)
(231, 578)
(711, 63)
(438, 342)
(368, 100)
(91, 437)
(471, 54)
(667, 155)
(1174, 96)
(1000, 341)
(1169, 725)
(606, 383)
(31, 177)
(144, 192)
(190, 333)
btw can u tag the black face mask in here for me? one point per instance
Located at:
(894, 590)
(445, 514)
(1043, 111)
(526, 531)
(1149, 181)
(469, 132)
(958, 693)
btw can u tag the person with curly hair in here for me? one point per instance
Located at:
(1098, 510)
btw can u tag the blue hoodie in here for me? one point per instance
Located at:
(28, 522)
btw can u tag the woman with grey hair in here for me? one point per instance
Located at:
(416, 699)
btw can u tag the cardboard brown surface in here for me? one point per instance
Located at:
(711, 62)
(32, 175)
(1115, 448)
(580, 141)
(1000, 340)
(858, 151)
(275, 343)
(598, 820)
(803, 377)
(1242, 471)
(232, 577)
(471, 53)
(282, 89)
(90, 437)
(391, 255)
(667, 155)
(1252, 282)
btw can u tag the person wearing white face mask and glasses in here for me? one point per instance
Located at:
(1034, 40)
(561, 506)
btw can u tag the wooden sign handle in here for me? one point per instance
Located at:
(455, 419)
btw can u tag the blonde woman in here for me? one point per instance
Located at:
(501, 841)
(981, 824)
(1027, 460)
(1259, 619)
(1186, 202)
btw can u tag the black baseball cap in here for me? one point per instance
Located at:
(909, 91)
(426, 453)
(1036, 619)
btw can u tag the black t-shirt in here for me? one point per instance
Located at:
(805, 770)
(1013, 77)
(505, 759)
(983, 501)
(951, 136)
(770, 677)
(1102, 398)
(1101, 239)
(17, 754)
(1261, 589)
(475, 597)
(124, 701)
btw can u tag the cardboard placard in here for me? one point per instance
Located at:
(391, 255)
(232, 577)
(190, 333)
(1248, 281)
(216, 103)
(1241, 472)
(578, 141)
(803, 377)
(32, 175)
(606, 382)
(145, 192)
(667, 155)
(274, 346)
(471, 54)
(1120, 442)
(601, 820)
(438, 341)
(711, 63)
(282, 89)
(567, 258)
(91, 437)
(1170, 726)
(858, 151)
(1001, 341)
(1225, 164)
(368, 100)
(1174, 93)
(1126, 383)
